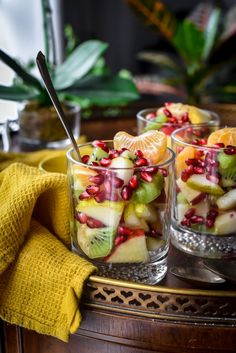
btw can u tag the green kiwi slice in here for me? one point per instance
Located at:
(95, 242)
(97, 154)
(157, 123)
(227, 169)
(147, 192)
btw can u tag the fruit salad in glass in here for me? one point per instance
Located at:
(120, 204)
(173, 116)
(204, 214)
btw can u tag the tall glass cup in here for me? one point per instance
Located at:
(120, 216)
(204, 207)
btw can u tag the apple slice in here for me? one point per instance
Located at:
(134, 249)
(132, 220)
(124, 168)
(108, 212)
(189, 193)
(227, 201)
(225, 223)
(201, 183)
(154, 244)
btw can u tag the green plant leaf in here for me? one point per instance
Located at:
(103, 90)
(211, 32)
(79, 63)
(16, 93)
(161, 59)
(18, 69)
(155, 14)
(189, 42)
(229, 25)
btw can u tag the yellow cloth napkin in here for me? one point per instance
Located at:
(41, 280)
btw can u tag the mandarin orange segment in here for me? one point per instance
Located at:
(226, 135)
(82, 175)
(152, 143)
(186, 153)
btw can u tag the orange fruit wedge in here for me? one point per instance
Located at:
(186, 153)
(152, 143)
(81, 176)
(226, 135)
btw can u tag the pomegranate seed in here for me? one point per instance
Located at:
(189, 169)
(152, 170)
(210, 223)
(201, 164)
(151, 116)
(186, 222)
(198, 199)
(100, 197)
(97, 179)
(107, 186)
(196, 142)
(117, 182)
(120, 239)
(105, 162)
(198, 170)
(197, 133)
(185, 118)
(230, 150)
(155, 233)
(146, 176)
(203, 142)
(81, 217)
(84, 196)
(185, 175)
(114, 154)
(126, 193)
(141, 162)
(100, 144)
(92, 189)
(139, 153)
(189, 130)
(213, 178)
(173, 120)
(212, 214)
(164, 172)
(167, 130)
(219, 145)
(133, 183)
(85, 158)
(167, 112)
(192, 161)
(95, 164)
(199, 154)
(94, 223)
(190, 213)
(167, 104)
(197, 219)
(213, 163)
(124, 230)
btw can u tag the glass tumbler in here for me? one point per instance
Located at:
(120, 216)
(204, 207)
(147, 120)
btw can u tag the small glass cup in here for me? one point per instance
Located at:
(123, 230)
(146, 124)
(204, 205)
(41, 127)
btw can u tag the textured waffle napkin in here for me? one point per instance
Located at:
(41, 280)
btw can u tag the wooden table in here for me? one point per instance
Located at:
(123, 317)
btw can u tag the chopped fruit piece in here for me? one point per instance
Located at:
(125, 168)
(227, 201)
(225, 223)
(147, 192)
(82, 176)
(154, 244)
(107, 212)
(181, 198)
(201, 183)
(130, 217)
(152, 143)
(182, 208)
(128, 154)
(181, 158)
(97, 154)
(146, 211)
(189, 193)
(134, 249)
(95, 242)
(198, 116)
(226, 135)
(227, 169)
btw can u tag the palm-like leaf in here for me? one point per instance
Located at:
(17, 93)
(161, 59)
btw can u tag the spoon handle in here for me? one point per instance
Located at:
(42, 66)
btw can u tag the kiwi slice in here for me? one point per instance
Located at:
(147, 192)
(227, 169)
(157, 123)
(95, 242)
(97, 154)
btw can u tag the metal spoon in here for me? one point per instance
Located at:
(197, 275)
(42, 66)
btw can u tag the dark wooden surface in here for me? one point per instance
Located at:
(102, 331)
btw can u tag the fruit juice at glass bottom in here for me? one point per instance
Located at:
(173, 116)
(120, 212)
(204, 212)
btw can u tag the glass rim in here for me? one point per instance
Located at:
(215, 117)
(160, 165)
(177, 140)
